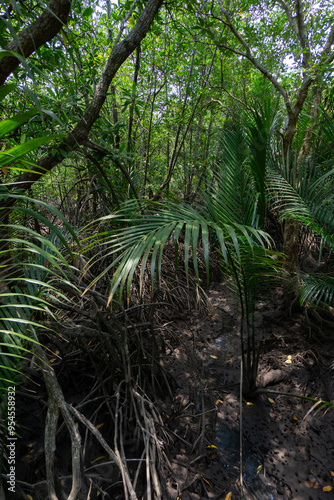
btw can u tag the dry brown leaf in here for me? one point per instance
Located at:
(313, 485)
(207, 482)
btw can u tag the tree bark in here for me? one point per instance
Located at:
(27, 41)
(133, 103)
(311, 74)
(120, 52)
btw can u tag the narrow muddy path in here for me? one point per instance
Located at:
(288, 453)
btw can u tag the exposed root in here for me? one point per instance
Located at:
(115, 455)
(57, 403)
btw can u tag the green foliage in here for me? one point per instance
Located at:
(303, 190)
(30, 264)
(30, 267)
(228, 218)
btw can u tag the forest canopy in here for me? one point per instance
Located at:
(155, 94)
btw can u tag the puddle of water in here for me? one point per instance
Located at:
(227, 442)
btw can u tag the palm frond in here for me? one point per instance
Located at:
(317, 287)
(300, 193)
(146, 234)
(229, 197)
(262, 124)
(31, 266)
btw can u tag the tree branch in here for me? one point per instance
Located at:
(289, 15)
(302, 35)
(328, 47)
(120, 52)
(252, 59)
(27, 41)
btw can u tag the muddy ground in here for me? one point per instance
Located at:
(288, 453)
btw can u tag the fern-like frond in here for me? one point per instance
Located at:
(317, 287)
(145, 236)
(300, 193)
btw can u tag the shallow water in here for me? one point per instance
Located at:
(227, 442)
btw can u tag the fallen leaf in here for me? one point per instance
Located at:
(212, 356)
(332, 473)
(327, 488)
(30, 497)
(4, 171)
(212, 446)
(258, 470)
(313, 485)
(206, 481)
(249, 403)
(220, 401)
(97, 459)
(295, 418)
(271, 401)
(99, 426)
(53, 360)
(228, 496)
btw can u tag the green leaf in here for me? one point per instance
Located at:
(6, 89)
(7, 126)
(17, 152)
(87, 12)
(53, 116)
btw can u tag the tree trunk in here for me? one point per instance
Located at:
(27, 41)
(120, 52)
(291, 246)
(133, 103)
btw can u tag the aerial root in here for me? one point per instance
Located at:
(320, 320)
(115, 455)
(57, 404)
(146, 417)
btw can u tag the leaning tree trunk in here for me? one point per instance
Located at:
(79, 134)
